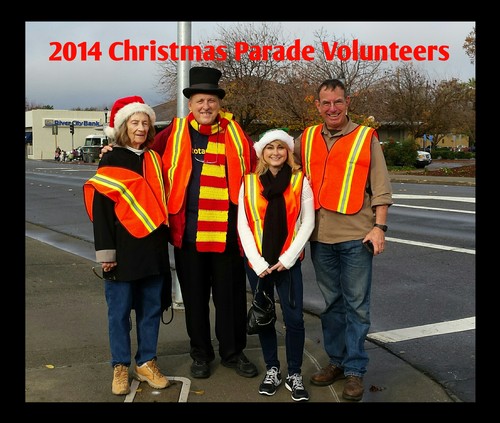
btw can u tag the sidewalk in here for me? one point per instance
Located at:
(436, 180)
(67, 351)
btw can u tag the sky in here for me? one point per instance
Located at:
(70, 77)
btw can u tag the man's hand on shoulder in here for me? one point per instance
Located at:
(105, 149)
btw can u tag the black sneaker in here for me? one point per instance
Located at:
(244, 367)
(294, 384)
(271, 382)
(200, 369)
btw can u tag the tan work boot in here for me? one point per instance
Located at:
(149, 372)
(120, 385)
(327, 375)
(353, 388)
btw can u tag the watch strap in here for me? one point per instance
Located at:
(383, 227)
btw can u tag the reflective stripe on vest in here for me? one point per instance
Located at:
(134, 195)
(256, 205)
(338, 177)
(177, 164)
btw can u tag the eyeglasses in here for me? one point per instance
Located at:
(339, 103)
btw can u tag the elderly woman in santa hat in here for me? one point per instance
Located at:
(275, 220)
(126, 202)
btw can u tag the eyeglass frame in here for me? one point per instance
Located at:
(339, 103)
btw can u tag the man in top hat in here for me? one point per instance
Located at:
(205, 156)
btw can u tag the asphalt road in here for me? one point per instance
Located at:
(413, 285)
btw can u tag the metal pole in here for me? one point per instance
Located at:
(54, 131)
(183, 38)
(183, 66)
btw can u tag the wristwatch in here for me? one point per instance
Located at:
(383, 227)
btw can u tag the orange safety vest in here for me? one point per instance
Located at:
(177, 164)
(338, 177)
(140, 201)
(256, 205)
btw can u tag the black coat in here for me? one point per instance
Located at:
(136, 257)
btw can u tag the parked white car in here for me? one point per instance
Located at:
(424, 158)
(92, 147)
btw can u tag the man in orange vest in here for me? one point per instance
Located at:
(205, 156)
(352, 193)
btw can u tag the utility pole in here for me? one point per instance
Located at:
(183, 66)
(54, 132)
(72, 130)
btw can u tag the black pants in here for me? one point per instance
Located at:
(223, 276)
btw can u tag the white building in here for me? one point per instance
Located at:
(46, 129)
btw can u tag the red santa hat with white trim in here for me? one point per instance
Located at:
(123, 109)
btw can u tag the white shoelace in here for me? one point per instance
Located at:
(296, 381)
(272, 376)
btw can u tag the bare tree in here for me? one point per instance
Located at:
(444, 113)
(28, 105)
(267, 92)
(470, 45)
(356, 74)
(247, 81)
(409, 99)
(408, 95)
(463, 111)
(294, 100)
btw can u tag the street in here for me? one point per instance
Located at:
(424, 281)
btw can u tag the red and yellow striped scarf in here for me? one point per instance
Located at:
(213, 206)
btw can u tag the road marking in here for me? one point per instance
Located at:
(415, 332)
(434, 208)
(133, 389)
(65, 169)
(318, 367)
(435, 197)
(428, 245)
(183, 396)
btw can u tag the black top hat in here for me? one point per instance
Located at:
(204, 80)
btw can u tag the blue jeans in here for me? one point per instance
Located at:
(288, 284)
(344, 276)
(144, 296)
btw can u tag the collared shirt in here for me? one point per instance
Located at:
(332, 227)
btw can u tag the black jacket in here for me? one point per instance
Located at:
(136, 257)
